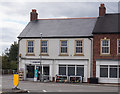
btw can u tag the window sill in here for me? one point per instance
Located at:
(105, 54)
(63, 55)
(30, 54)
(44, 55)
(78, 54)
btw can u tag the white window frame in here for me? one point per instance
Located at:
(105, 46)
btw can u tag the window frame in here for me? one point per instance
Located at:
(79, 54)
(63, 54)
(27, 53)
(108, 68)
(113, 67)
(73, 65)
(108, 46)
(118, 46)
(101, 67)
(45, 54)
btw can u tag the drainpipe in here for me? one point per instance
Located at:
(18, 56)
(91, 65)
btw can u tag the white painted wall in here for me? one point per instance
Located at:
(53, 51)
(106, 62)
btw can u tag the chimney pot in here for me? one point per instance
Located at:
(102, 5)
(33, 10)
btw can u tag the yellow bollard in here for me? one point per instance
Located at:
(16, 80)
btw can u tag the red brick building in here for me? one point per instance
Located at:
(106, 47)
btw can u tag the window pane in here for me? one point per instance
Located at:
(62, 70)
(63, 49)
(113, 72)
(30, 49)
(119, 50)
(105, 43)
(44, 43)
(78, 49)
(71, 71)
(63, 43)
(103, 72)
(119, 43)
(80, 71)
(30, 43)
(79, 43)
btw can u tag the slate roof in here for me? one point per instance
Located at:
(69, 27)
(107, 24)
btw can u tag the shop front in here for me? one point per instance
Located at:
(42, 72)
(108, 71)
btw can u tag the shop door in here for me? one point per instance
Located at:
(46, 72)
(30, 72)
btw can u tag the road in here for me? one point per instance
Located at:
(7, 83)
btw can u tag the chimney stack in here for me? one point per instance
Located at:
(33, 15)
(102, 10)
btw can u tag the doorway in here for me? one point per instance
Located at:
(44, 72)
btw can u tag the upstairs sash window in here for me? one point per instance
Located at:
(30, 47)
(79, 47)
(63, 47)
(105, 46)
(44, 47)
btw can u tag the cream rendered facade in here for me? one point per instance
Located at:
(53, 60)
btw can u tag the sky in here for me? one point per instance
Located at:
(15, 14)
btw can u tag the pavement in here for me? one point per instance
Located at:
(7, 85)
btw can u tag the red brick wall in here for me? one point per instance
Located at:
(96, 48)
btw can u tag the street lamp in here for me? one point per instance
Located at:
(40, 57)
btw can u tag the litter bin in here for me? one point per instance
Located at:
(93, 80)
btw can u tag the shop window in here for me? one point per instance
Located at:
(79, 47)
(103, 71)
(71, 70)
(30, 46)
(62, 69)
(44, 47)
(105, 46)
(80, 70)
(63, 48)
(113, 71)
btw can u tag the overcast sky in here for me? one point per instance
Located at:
(14, 16)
